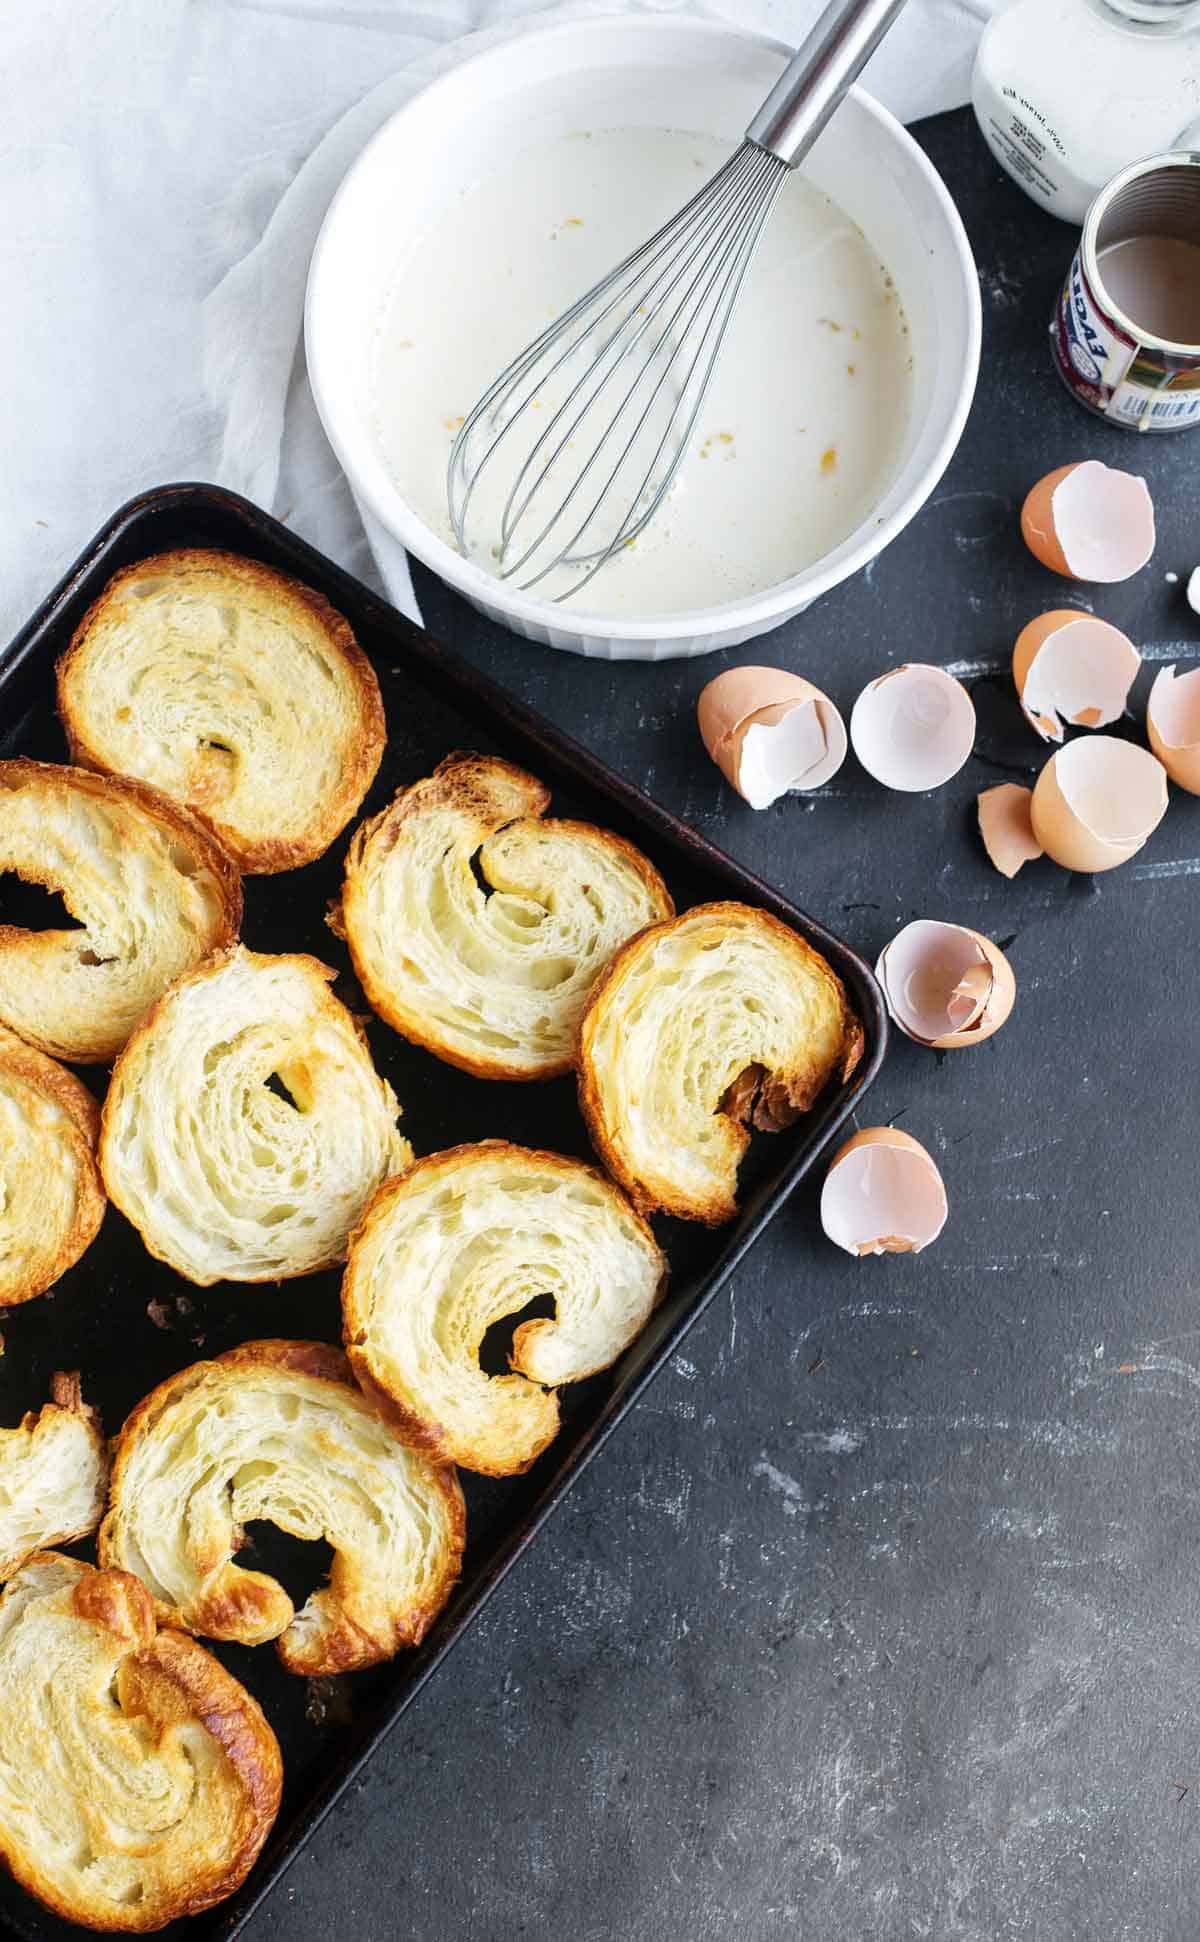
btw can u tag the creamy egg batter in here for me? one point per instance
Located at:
(806, 421)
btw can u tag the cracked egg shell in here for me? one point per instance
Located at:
(1072, 670)
(1089, 521)
(945, 985)
(1006, 827)
(1097, 801)
(883, 1195)
(770, 733)
(913, 728)
(1173, 725)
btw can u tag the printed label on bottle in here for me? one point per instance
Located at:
(1018, 148)
(1030, 145)
(1135, 385)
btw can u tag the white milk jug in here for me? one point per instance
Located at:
(1068, 92)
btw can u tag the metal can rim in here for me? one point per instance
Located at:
(1175, 158)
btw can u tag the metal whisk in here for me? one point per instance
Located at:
(580, 437)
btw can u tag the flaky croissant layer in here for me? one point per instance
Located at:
(150, 888)
(278, 1431)
(51, 1194)
(53, 1475)
(468, 1238)
(235, 690)
(246, 1128)
(701, 1027)
(138, 1779)
(478, 926)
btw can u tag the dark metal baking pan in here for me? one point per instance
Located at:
(126, 1321)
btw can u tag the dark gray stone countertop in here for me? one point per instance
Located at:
(879, 1617)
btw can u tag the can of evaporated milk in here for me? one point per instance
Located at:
(1126, 332)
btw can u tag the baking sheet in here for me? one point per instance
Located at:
(127, 1322)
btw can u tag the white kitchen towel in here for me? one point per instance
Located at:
(165, 168)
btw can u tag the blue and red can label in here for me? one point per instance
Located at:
(1143, 387)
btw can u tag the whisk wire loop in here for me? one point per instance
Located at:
(662, 314)
(658, 368)
(637, 303)
(726, 264)
(491, 406)
(729, 296)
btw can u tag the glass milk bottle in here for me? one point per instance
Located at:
(1068, 92)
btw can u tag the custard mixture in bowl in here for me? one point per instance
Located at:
(500, 194)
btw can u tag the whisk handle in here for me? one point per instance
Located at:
(818, 76)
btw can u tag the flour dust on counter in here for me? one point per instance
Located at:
(805, 423)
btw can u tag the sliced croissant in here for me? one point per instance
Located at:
(245, 1127)
(234, 689)
(53, 1476)
(138, 1779)
(279, 1431)
(150, 886)
(477, 927)
(51, 1194)
(467, 1238)
(721, 1019)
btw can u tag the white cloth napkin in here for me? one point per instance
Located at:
(165, 168)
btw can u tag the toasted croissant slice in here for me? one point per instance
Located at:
(150, 886)
(491, 975)
(279, 1431)
(51, 1194)
(467, 1238)
(226, 1177)
(722, 1019)
(53, 1476)
(234, 689)
(138, 1779)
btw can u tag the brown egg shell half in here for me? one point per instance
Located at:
(731, 697)
(1097, 801)
(1090, 521)
(1006, 827)
(1072, 669)
(766, 699)
(1173, 726)
(911, 1184)
(977, 969)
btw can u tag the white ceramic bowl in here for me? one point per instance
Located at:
(649, 71)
